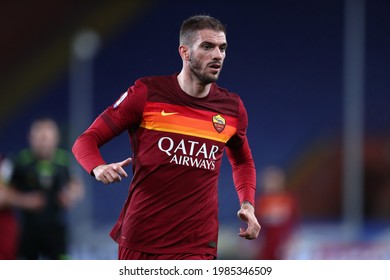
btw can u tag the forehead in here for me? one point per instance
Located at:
(43, 127)
(212, 36)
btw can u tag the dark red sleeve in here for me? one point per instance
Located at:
(124, 114)
(241, 160)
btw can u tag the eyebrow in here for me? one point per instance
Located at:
(213, 44)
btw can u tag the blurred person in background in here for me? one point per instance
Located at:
(43, 169)
(179, 125)
(9, 199)
(9, 230)
(278, 211)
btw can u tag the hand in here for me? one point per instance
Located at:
(110, 173)
(33, 201)
(71, 193)
(247, 214)
(3, 197)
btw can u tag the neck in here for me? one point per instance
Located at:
(192, 86)
(43, 154)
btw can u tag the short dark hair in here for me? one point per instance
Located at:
(196, 23)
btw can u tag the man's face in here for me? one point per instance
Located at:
(207, 54)
(44, 139)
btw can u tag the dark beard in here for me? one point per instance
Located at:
(195, 68)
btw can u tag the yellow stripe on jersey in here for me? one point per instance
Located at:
(177, 123)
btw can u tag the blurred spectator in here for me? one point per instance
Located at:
(8, 225)
(277, 211)
(10, 198)
(42, 170)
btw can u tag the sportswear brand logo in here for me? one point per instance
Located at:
(164, 114)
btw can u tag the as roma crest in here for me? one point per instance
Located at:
(219, 123)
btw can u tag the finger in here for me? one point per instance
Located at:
(251, 232)
(108, 176)
(119, 170)
(102, 178)
(113, 175)
(118, 167)
(125, 162)
(244, 233)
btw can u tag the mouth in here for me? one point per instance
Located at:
(216, 66)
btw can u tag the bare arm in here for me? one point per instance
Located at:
(10, 197)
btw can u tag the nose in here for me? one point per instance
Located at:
(218, 54)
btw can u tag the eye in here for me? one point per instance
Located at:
(223, 48)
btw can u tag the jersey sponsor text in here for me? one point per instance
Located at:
(189, 153)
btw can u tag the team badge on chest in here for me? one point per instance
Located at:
(219, 123)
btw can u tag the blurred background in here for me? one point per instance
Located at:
(314, 76)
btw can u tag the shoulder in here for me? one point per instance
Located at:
(62, 157)
(150, 80)
(156, 82)
(231, 101)
(225, 93)
(23, 157)
(160, 88)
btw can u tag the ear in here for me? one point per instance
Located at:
(184, 52)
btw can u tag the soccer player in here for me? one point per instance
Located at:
(279, 212)
(179, 126)
(43, 169)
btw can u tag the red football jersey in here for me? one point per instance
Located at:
(178, 143)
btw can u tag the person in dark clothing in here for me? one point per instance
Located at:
(43, 168)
